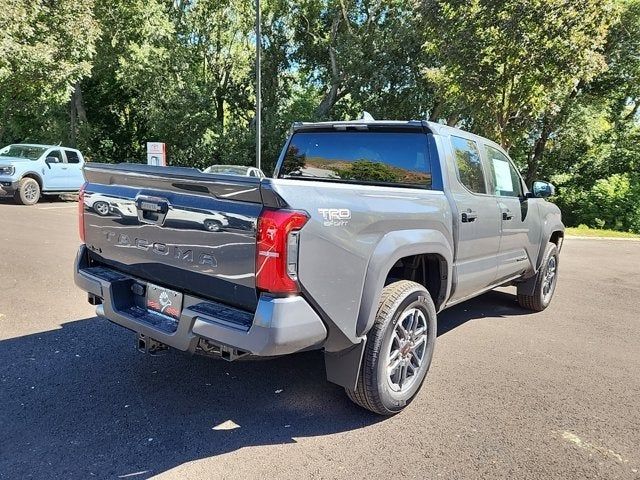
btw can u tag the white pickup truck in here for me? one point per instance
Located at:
(28, 171)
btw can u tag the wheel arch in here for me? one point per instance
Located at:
(430, 246)
(557, 237)
(552, 230)
(34, 176)
(343, 367)
(553, 234)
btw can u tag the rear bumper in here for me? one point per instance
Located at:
(279, 326)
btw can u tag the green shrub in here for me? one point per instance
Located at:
(611, 203)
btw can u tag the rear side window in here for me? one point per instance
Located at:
(359, 157)
(72, 157)
(469, 164)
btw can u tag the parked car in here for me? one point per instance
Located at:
(101, 204)
(105, 205)
(29, 171)
(366, 231)
(235, 170)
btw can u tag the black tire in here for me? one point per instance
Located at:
(542, 291)
(28, 192)
(374, 390)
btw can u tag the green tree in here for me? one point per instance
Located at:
(132, 65)
(512, 69)
(360, 55)
(46, 48)
(368, 171)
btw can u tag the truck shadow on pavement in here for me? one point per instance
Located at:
(80, 402)
(492, 304)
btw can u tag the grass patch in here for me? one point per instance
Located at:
(583, 231)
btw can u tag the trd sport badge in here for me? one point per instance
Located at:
(335, 217)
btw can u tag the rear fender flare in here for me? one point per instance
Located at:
(343, 367)
(392, 248)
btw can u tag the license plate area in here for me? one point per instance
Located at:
(164, 301)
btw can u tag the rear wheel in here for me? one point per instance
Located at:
(399, 349)
(28, 192)
(545, 282)
(212, 225)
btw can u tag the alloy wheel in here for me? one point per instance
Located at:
(407, 349)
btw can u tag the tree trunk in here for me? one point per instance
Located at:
(549, 123)
(452, 119)
(329, 100)
(632, 114)
(435, 112)
(79, 103)
(73, 123)
(334, 93)
(77, 114)
(533, 162)
(220, 110)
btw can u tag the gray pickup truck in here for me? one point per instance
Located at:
(366, 230)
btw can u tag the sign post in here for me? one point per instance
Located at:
(258, 86)
(156, 154)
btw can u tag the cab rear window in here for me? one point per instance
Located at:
(387, 158)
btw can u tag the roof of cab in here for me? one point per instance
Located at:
(44, 146)
(355, 124)
(363, 124)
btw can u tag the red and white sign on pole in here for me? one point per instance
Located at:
(156, 154)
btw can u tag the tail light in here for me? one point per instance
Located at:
(81, 211)
(277, 250)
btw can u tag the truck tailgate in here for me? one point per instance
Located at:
(177, 227)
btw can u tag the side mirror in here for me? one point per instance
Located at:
(543, 189)
(49, 160)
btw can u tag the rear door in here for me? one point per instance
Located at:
(73, 179)
(515, 217)
(477, 220)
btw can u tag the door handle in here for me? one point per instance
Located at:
(507, 215)
(469, 216)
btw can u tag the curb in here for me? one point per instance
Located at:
(615, 239)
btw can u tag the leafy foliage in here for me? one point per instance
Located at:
(556, 82)
(368, 171)
(45, 49)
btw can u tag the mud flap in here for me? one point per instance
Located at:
(528, 286)
(343, 367)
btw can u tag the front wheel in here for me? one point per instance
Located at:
(399, 349)
(28, 192)
(545, 282)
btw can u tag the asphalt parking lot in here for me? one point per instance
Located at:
(510, 394)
